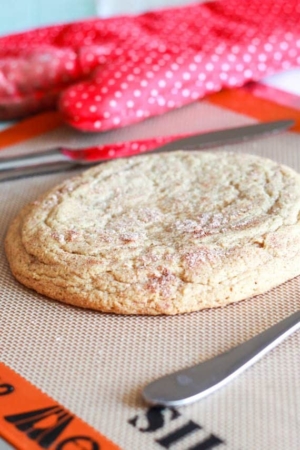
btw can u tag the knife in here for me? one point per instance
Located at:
(196, 382)
(58, 159)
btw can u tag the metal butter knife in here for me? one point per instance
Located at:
(194, 383)
(53, 160)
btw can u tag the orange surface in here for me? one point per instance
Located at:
(244, 102)
(29, 128)
(31, 420)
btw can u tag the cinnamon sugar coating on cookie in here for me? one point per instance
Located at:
(162, 234)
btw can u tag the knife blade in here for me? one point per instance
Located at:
(57, 159)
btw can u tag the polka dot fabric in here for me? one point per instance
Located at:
(109, 73)
(33, 80)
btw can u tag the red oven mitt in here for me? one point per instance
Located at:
(103, 74)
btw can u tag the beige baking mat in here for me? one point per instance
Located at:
(96, 365)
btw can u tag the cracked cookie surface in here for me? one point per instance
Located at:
(162, 234)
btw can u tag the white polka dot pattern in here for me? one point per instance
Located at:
(122, 70)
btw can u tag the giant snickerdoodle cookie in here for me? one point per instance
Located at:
(162, 234)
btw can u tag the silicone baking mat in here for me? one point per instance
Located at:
(96, 365)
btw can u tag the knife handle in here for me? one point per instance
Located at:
(35, 170)
(32, 164)
(194, 383)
